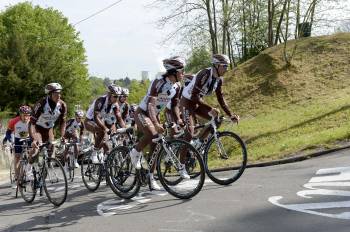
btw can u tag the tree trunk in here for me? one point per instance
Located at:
(210, 24)
(285, 54)
(244, 39)
(297, 32)
(280, 22)
(271, 12)
(215, 26)
(312, 13)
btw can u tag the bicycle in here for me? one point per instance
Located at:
(71, 158)
(126, 181)
(47, 174)
(92, 174)
(229, 154)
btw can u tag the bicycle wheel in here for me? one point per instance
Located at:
(55, 182)
(25, 186)
(168, 167)
(190, 167)
(122, 176)
(90, 173)
(225, 158)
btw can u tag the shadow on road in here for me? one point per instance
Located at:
(80, 204)
(275, 219)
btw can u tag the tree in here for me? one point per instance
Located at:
(199, 59)
(38, 46)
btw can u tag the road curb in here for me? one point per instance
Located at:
(296, 158)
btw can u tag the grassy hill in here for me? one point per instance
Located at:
(288, 110)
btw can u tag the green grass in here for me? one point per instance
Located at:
(286, 111)
(279, 133)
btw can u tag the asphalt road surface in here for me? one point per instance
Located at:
(312, 195)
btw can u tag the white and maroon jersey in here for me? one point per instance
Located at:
(108, 111)
(174, 94)
(19, 128)
(46, 113)
(73, 126)
(161, 88)
(204, 84)
(124, 110)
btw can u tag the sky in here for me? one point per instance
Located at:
(121, 41)
(124, 40)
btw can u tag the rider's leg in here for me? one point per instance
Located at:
(203, 111)
(146, 126)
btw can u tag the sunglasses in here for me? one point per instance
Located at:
(115, 96)
(225, 66)
(181, 70)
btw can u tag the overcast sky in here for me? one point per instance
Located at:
(120, 41)
(123, 40)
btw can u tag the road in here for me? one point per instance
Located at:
(312, 195)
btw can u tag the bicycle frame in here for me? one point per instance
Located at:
(212, 124)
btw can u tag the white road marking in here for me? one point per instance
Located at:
(112, 206)
(333, 177)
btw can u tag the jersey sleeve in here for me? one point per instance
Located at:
(12, 123)
(38, 109)
(63, 114)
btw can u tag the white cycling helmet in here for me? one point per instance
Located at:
(220, 59)
(125, 91)
(114, 89)
(79, 113)
(53, 87)
(174, 63)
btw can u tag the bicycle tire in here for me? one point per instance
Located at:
(119, 171)
(26, 187)
(240, 167)
(184, 184)
(92, 175)
(53, 173)
(189, 166)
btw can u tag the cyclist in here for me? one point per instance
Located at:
(203, 84)
(20, 128)
(8, 133)
(47, 112)
(161, 91)
(73, 125)
(123, 104)
(101, 117)
(130, 120)
(172, 111)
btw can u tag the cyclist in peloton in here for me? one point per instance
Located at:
(47, 112)
(73, 125)
(172, 111)
(123, 104)
(203, 84)
(101, 117)
(8, 133)
(161, 91)
(130, 120)
(20, 128)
